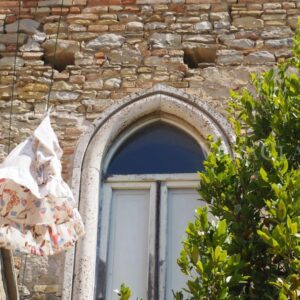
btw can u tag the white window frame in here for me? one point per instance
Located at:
(147, 181)
(105, 220)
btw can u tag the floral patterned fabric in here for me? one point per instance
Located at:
(38, 214)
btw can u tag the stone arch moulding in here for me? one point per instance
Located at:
(79, 277)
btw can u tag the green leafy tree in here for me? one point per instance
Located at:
(253, 251)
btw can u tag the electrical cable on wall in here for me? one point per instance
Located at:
(14, 77)
(54, 57)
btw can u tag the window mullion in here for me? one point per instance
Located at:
(162, 237)
(103, 243)
(152, 241)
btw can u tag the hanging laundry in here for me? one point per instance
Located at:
(38, 214)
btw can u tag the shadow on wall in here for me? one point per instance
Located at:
(200, 57)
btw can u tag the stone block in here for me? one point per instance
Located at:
(78, 79)
(276, 32)
(260, 57)
(293, 22)
(240, 44)
(153, 61)
(266, 17)
(219, 25)
(31, 46)
(272, 5)
(125, 56)
(248, 23)
(165, 40)
(90, 16)
(251, 13)
(97, 28)
(93, 85)
(64, 86)
(80, 2)
(108, 17)
(82, 59)
(95, 9)
(247, 34)
(40, 11)
(26, 26)
(188, 19)
(108, 40)
(10, 61)
(288, 4)
(198, 7)
(219, 16)
(52, 28)
(118, 27)
(229, 57)
(135, 26)
(50, 3)
(33, 56)
(113, 83)
(199, 38)
(77, 28)
(275, 23)
(254, 6)
(83, 36)
(279, 43)
(11, 38)
(202, 27)
(64, 96)
(36, 87)
(219, 7)
(155, 26)
(39, 37)
(8, 4)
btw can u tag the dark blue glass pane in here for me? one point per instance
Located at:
(159, 148)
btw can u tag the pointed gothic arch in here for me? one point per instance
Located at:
(160, 102)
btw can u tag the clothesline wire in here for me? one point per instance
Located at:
(54, 57)
(14, 77)
(13, 93)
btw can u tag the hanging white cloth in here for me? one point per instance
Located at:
(38, 214)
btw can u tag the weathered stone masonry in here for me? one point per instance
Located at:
(108, 49)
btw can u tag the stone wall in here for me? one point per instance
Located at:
(107, 49)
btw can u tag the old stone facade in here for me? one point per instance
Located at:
(108, 49)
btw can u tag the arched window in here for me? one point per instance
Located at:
(126, 209)
(158, 148)
(149, 195)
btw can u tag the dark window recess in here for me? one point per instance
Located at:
(60, 61)
(199, 57)
(159, 148)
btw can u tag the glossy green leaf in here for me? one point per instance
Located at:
(281, 210)
(263, 174)
(267, 239)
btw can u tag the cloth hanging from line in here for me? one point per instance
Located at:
(38, 214)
